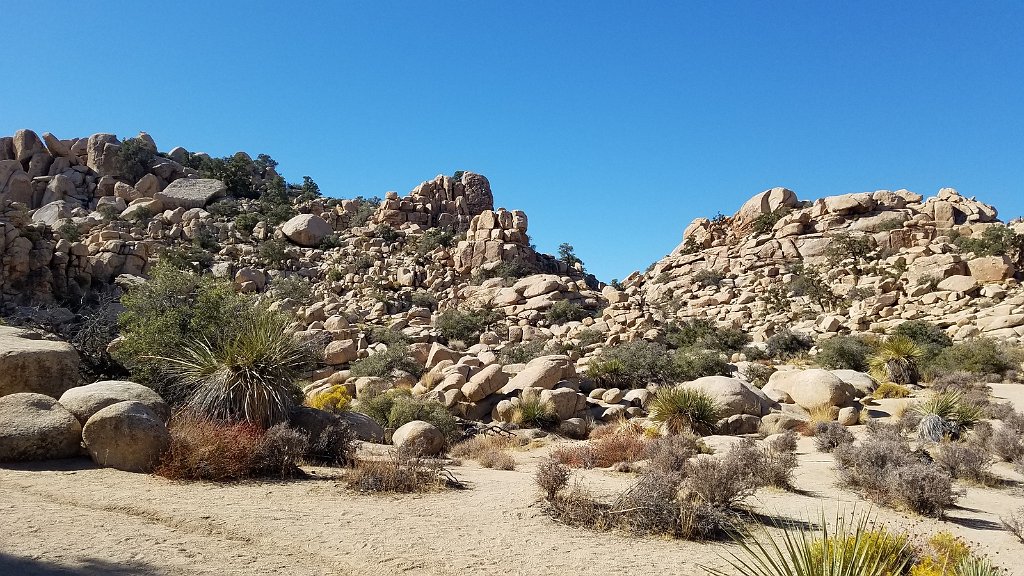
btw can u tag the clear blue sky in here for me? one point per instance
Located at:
(612, 124)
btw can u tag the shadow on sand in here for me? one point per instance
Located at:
(15, 565)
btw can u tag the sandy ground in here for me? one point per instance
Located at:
(69, 517)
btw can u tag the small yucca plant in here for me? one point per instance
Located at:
(895, 360)
(946, 414)
(533, 412)
(248, 377)
(851, 548)
(679, 409)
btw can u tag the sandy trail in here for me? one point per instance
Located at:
(70, 517)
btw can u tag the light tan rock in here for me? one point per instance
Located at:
(84, 401)
(811, 388)
(419, 438)
(36, 427)
(40, 366)
(126, 436)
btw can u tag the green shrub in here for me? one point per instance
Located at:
(365, 207)
(681, 409)
(843, 353)
(386, 233)
(998, 240)
(245, 222)
(171, 308)
(274, 252)
(234, 171)
(928, 336)
(69, 231)
(808, 281)
(845, 246)
(565, 311)
(384, 364)
(532, 412)
(434, 238)
(702, 333)
(708, 277)
(766, 222)
(133, 159)
(979, 356)
(309, 190)
(393, 408)
(693, 364)
(291, 287)
(247, 376)
(947, 415)
(465, 326)
(890, 390)
(510, 271)
(523, 352)
(786, 344)
(226, 208)
(633, 365)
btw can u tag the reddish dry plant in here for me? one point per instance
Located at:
(623, 445)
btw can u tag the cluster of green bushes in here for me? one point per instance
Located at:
(997, 240)
(704, 334)
(640, 363)
(393, 408)
(566, 311)
(465, 325)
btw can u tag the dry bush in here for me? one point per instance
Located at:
(551, 476)
(724, 482)
(829, 435)
(498, 461)
(670, 454)
(623, 444)
(204, 449)
(821, 414)
(1007, 444)
(331, 445)
(1014, 523)
(785, 442)
(400, 474)
(955, 381)
(490, 451)
(965, 461)
(890, 390)
(889, 473)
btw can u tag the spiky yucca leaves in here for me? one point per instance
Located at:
(948, 414)
(851, 548)
(248, 377)
(895, 360)
(534, 412)
(679, 409)
(976, 566)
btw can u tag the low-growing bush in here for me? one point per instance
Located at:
(335, 399)
(965, 461)
(624, 444)
(490, 451)
(523, 352)
(705, 334)
(979, 356)
(399, 474)
(679, 409)
(843, 353)
(532, 412)
(830, 435)
(724, 482)
(890, 390)
(787, 344)
(552, 476)
(565, 311)
(1007, 444)
(384, 363)
(205, 449)
(669, 454)
(633, 365)
(758, 374)
(693, 364)
(393, 408)
(926, 335)
(465, 325)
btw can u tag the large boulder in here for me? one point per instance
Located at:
(478, 193)
(765, 203)
(84, 401)
(40, 366)
(36, 427)
(419, 438)
(863, 383)
(127, 436)
(544, 372)
(485, 382)
(991, 268)
(811, 388)
(566, 401)
(190, 193)
(341, 352)
(313, 422)
(733, 395)
(15, 183)
(307, 230)
(364, 427)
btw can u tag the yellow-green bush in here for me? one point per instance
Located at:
(891, 390)
(334, 399)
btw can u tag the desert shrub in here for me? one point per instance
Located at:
(978, 356)
(69, 231)
(335, 399)
(766, 222)
(332, 445)
(383, 364)
(680, 409)
(928, 336)
(465, 325)
(895, 360)
(133, 159)
(843, 353)
(669, 454)
(291, 287)
(171, 308)
(960, 380)
(856, 547)
(393, 408)
(708, 277)
(705, 334)
(248, 376)
(226, 208)
(623, 445)
(844, 247)
(890, 390)
(565, 311)
(491, 451)
(787, 344)
(234, 171)
(965, 461)
(892, 475)
(187, 257)
(386, 233)
(588, 337)
(274, 252)
(946, 555)
(1007, 444)
(205, 449)
(755, 353)
(945, 415)
(633, 365)
(551, 476)
(523, 352)
(693, 364)
(773, 464)
(758, 374)
(1014, 523)
(435, 238)
(830, 435)
(821, 414)
(364, 209)
(567, 254)
(808, 281)
(998, 240)
(532, 412)
(400, 474)
(724, 482)
(510, 271)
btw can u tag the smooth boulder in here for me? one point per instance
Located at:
(307, 230)
(36, 427)
(38, 366)
(811, 388)
(419, 438)
(84, 401)
(127, 436)
(733, 396)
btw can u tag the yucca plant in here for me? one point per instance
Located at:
(948, 414)
(679, 409)
(850, 548)
(976, 566)
(895, 360)
(247, 377)
(534, 412)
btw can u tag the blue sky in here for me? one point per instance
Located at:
(612, 124)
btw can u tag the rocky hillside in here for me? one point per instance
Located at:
(850, 263)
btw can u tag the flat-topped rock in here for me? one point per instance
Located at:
(190, 193)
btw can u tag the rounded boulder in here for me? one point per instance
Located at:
(419, 438)
(811, 388)
(127, 436)
(307, 230)
(36, 427)
(733, 395)
(84, 401)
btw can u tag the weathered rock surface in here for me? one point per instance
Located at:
(306, 229)
(36, 427)
(419, 437)
(127, 436)
(34, 365)
(190, 193)
(811, 388)
(84, 401)
(733, 395)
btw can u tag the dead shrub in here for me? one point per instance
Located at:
(725, 481)
(785, 442)
(669, 454)
(1014, 523)
(829, 435)
(552, 476)
(401, 474)
(331, 445)
(1007, 444)
(624, 444)
(204, 449)
(498, 460)
(965, 461)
